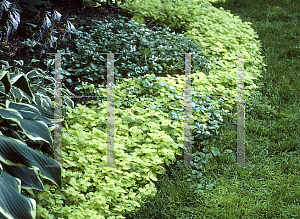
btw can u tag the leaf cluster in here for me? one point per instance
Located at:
(143, 51)
(143, 143)
(220, 34)
(26, 117)
(161, 96)
(175, 14)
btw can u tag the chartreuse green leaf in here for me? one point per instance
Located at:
(141, 156)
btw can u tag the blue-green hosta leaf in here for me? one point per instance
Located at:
(17, 92)
(5, 63)
(67, 92)
(20, 62)
(25, 96)
(29, 177)
(34, 112)
(48, 122)
(41, 90)
(50, 79)
(20, 81)
(50, 62)
(45, 103)
(44, 96)
(5, 79)
(2, 90)
(10, 113)
(47, 112)
(35, 130)
(15, 134)
(34, 73)
(28, 115)
(10, 189)
(40, 98)
(16, 153)
(51, 91)
(22, 106)
(37, 99)
(69, 102)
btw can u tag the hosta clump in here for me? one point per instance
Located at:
(26, 121)
(40, 84)
(144, 51)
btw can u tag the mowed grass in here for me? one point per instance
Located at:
(270, 189)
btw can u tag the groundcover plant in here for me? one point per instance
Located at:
(143, 51)
(136, 132)
(271, 188)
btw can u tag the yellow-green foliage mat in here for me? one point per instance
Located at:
(143, 144)
(146, 139)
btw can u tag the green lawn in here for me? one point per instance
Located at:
(270, 189)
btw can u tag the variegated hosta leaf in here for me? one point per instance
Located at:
(34, 129)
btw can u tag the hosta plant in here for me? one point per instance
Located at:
(26, 118)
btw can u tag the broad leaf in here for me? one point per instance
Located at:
(16, 153)
(21, 82)
(12, 203)
(4, 78)
(35, 130)
(30, 179)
